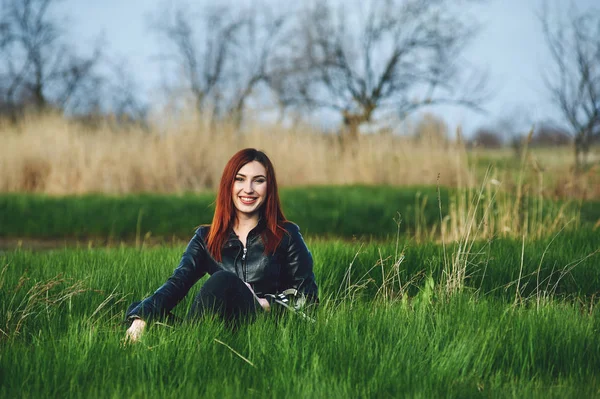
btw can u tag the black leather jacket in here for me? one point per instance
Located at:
(291, 266)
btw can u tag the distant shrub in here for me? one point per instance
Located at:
(487, 138)
(550, 136)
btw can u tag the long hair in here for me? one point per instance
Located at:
(225, 212)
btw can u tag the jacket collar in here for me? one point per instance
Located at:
(258, 229)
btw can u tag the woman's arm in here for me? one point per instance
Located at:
(300, 265)
(192, 267)
(262, 301)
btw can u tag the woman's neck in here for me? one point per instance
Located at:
(243, 225)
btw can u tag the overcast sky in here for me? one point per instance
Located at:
(510, 46)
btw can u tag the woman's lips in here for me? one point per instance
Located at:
(247, 200)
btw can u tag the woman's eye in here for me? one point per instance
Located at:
(260, 180)
(239, 179)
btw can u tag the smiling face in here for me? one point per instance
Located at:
(249, 189)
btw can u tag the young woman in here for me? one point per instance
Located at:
(250, 250)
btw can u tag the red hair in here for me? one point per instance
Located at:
(225, 213)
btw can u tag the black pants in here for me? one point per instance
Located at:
(223, 295)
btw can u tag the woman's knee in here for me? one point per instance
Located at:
(222, 281)
(224, 275)
(224, 293)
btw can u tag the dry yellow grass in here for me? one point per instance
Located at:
(52, 155)
(548, 172)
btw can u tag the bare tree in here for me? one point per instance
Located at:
(124, 102)
(37, 68)
(360, 58)
(201, 65)
(256, 44)
(223, 58)
(574, 79)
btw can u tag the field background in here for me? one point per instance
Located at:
(444, 270)
(56, 156)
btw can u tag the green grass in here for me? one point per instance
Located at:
(493, 266)
(458, 348)
(522, 322)
(339, 211)
(351, 211)
(474, 343)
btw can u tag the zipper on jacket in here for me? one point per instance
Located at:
(244, 264)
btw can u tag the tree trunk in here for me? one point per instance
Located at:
(38, 97)
(585, 149)
(582, 149)
(350, 132)
(577, 148)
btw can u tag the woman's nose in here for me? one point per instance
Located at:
(249, 187)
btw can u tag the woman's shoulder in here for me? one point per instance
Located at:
(202, 231)
(291, 227)
(292, 239)
(292, 231)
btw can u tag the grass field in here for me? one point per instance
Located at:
(376, 335)
(486, 286)
(334, 211)
(403, 314)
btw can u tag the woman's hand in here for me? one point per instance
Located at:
(134, 333)
(263, 302)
